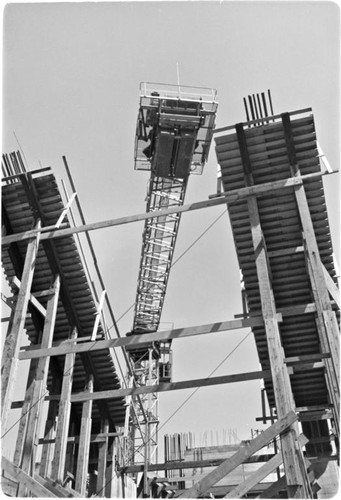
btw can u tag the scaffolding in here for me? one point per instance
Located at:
(272, 184)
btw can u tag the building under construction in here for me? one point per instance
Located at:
(87, 430)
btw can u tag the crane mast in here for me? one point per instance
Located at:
(173, 135)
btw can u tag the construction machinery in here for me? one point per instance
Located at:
(173, 136)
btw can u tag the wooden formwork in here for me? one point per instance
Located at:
(54, 303)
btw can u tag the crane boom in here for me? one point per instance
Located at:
(173, 136)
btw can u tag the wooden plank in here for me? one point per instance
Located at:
(332, 287)
(286, 251)
(49, 433)
(13, 340)
(135, 340)
(25, 480)
(84, 442)
(39, 385)
(98, 316)
(203, 486)
(228, 197)
(256, 477)
(192, 464)
(65, 211)
(293, 360)
(102, 460)
(165, 386)
(32, 298)
(57, 489)
(58, 463)
(261, 473)
(94, 438)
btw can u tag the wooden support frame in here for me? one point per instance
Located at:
(204, 485)
(39, 386)
(280, 377)
(260, 474)
(84, 441)
(58, 463)
(16, 282)
(12, 343)
(326, 323)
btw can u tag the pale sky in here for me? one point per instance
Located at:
(71, 87)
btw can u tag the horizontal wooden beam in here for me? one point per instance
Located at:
(95, 438)
(286, 251)
(228, 197)
(305, 358)
(191, 464)
(165, 386)
(305, 416)
(134, 340)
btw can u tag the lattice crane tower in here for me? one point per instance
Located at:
(173, 136)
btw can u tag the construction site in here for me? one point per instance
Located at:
(88, 421)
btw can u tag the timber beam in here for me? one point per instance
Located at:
(229, 197)
(134, 340)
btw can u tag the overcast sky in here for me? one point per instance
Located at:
(71, 84)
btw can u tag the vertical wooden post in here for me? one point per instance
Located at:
(58, 464)
(22, 424)
(110, 476)
(50, 433)
(13, 340)
(102, 460)
(84, 441)
(280, 377)
(39, 384)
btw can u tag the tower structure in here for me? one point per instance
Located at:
(173, 135)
